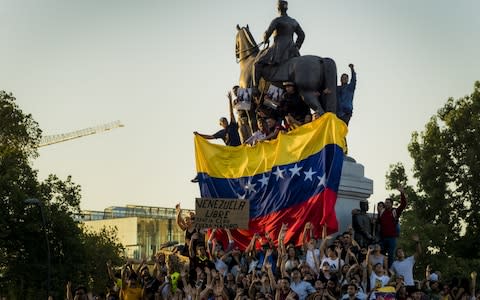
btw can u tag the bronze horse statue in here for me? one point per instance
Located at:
(315, 77)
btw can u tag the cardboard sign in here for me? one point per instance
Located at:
(222, 213)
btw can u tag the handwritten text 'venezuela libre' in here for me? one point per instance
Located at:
(221, 213)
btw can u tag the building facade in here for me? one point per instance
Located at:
(140, 229)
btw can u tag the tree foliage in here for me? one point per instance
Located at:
(76, 254)
(444, 207)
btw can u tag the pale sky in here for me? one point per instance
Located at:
(164, 68)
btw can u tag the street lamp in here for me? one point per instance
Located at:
(37, 203)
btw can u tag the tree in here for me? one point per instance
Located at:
(445, 205)
(77, 255)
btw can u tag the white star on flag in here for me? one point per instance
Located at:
(264, 180)
(309, 174)
(295, 170)
(279, 173)
(323, 180)
(241, 196)
(250, 187)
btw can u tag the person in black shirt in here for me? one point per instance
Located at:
(229, 132)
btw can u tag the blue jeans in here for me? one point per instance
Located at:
(389, 244)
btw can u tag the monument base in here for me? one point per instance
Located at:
(354, 187)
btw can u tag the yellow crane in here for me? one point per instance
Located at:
(62, 137)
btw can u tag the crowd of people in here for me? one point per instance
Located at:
(324, 267)
(361, 263)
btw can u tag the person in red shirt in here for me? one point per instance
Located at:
(389, 230)
(274, 127)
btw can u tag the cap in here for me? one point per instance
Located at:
(433, 277)
(288, 83)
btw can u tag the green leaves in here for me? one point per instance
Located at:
(19, 132)
(76, 255)
(445, 204)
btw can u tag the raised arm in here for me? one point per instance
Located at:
(191, 251)
(317, 262)
(418, 246)
(271, 277)
(266, 259)
(156, 266)
(110, 271)
(208, 272)
(426, 280)
(350, 270)
(124, 274)
(187, 288)
(473, 275)
(180, 222)
(208, 286)
(271, 244)
(231, 241)
(403, 201)
(367, 261)
(349, 256)
(251, 288)
(251, 247)
(211, 243)
(283, 270)
(140, 266)
(353, 80)
(69, 291)
(306, 230)
(323, 247)
(281, 238)
(230, 108)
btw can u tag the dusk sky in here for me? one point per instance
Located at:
(164, 67)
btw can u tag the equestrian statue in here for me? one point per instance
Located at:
(315, 77)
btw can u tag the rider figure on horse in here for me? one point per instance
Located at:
(283, 47)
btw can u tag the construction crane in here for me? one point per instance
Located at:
(62, 137)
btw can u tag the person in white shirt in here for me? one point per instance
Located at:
(404, 265)
(331, 255)
(376, 275)
(312, 254)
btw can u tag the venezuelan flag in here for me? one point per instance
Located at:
(293, 179)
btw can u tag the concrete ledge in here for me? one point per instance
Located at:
(354, 187)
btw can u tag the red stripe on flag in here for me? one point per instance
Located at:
(319, 210)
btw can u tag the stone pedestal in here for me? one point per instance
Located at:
(354, 187)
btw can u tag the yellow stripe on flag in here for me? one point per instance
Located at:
(234, 162)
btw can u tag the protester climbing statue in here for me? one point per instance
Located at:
(315, 77)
